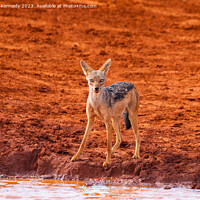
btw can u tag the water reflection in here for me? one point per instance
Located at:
(55, 189)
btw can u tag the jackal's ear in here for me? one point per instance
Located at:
(105, 67)
(85, 67)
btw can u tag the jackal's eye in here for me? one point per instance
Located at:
(102, 80)
(91, 80)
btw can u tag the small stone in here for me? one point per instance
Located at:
(167, 187)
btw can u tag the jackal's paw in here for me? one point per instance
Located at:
(136, 156)
(75, 157)
(106, 163)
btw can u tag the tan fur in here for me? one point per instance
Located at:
(111, 115)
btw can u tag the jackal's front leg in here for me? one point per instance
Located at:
(87, 132)
(109, 143)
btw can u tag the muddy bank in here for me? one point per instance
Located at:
(43, 90)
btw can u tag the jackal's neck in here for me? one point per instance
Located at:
(95, 98)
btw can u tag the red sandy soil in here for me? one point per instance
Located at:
(155, 44)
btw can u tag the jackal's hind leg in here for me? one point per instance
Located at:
(116, 126)
(133, 117)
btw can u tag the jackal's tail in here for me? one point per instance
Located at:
(126, 120)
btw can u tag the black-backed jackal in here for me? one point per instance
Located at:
(110, 103)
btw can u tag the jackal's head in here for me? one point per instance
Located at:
(96, 78)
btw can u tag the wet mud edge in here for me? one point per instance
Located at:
(128, 173)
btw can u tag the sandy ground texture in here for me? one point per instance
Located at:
(155, 44)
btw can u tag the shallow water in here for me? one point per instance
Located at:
(34, 189)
